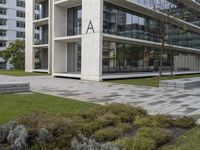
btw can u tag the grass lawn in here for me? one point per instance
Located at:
(152, 81)
(19, 73)
(13, 105)
(189, 141)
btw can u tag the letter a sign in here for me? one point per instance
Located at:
(90, 27)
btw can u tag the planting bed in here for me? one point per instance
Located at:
(111, 127)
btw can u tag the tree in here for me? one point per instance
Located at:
(163, 11)
(15, 54)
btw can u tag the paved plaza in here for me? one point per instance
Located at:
(154, 100)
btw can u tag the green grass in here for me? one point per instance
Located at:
(152, 81)
(19, 73)
(189, 141)
(14, 105)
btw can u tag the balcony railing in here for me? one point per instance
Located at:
(41, 42)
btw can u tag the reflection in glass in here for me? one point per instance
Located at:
(124, 58)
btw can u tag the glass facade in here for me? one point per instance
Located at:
(124, 58)
(43, 8)
(123, 22)
(43, 33)
(73, 57)
(74, 21)
(174, 7)
(41, 58)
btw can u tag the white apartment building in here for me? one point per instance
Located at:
(107, 39)
(12, 24)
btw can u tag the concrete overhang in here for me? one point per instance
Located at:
(146, 43)
(69, 39)
(41, 46)
(129, 4)
(67, 3)
(39, 1)
(41, 70)
(191, 4)
(41, 22)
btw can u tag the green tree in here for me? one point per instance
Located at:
(15, 54)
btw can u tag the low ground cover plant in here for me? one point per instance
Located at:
(110, 127)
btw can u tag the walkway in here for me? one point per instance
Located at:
(155, 100)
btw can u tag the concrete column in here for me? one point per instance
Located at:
(50, 37)
(92, 16)
(29, 56)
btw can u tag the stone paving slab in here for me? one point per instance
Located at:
(155, 100)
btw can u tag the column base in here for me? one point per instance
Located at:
(91, 78)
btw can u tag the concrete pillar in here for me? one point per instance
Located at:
(50, 37)
(92, 16)
(29, 56)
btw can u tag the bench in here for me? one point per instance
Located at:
(181, 83)
(14, 87)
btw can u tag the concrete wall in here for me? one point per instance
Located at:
(60, 57)
(60, 29)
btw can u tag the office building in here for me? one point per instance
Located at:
(12, 24)
(107, 39)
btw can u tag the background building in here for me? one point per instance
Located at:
(106, 39)
(12, 24)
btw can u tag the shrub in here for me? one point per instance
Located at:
(97, 121)
(184, 122)
(159, 135)
(93, 113)
(127, 113)
(125, 127)
(138, 143)
(89, 128)
(145, 139)
(143, 143)
(90, 144)
(125, 143)
(153, 121)
(34, 120)
(63, 129)
(112, 133)
(109, 119)
(108, 134)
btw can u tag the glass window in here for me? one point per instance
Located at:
(74, 21)
(3, 11)
(2, 43)
(3, 32)
(123, 22)
(20, 24)
(20, 34)
(3, 22)
(2, 1)
(122, 58)
(20, 14)
(20, 3)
